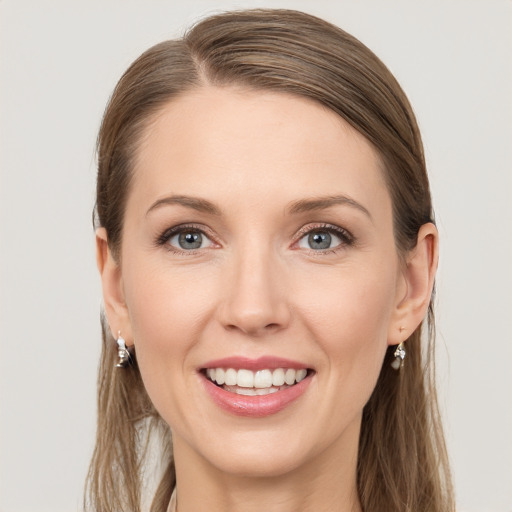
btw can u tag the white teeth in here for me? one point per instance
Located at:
(278, 377)
(263, 379)
(300, 375)
(230, 377)
(252, 391)
(245, 391)
(268, 381)
(245, 379)
(289, 377)
(219, 376)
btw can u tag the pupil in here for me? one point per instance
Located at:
(190, 240)
(320, 240)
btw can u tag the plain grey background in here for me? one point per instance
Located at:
(59, 63)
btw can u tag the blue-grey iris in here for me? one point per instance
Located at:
(190, 240)
(319, 240)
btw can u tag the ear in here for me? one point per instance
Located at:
(113, 293)
(417, 282)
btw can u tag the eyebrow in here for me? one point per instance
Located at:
(322, 203)
(300, 206)
(195, 203)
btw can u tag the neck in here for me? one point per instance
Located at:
(327, 483)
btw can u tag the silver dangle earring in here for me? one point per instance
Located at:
(399, 356)
(122, 352)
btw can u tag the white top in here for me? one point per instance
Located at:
(172, 503)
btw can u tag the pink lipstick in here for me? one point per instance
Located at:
(255, 387)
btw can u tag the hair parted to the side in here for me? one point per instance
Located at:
(402, 463)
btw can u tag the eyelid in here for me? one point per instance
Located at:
(169, 233)
(347, 239)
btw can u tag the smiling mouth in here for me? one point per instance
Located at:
(258, 383)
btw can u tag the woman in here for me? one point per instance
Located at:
(267, 251)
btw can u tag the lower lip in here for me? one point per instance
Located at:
(255, 406)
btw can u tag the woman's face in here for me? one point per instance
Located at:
(258, 247)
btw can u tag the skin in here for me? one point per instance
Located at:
(256, 287)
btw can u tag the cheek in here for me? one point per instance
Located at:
(168, 310)
(348, 312)
(165, 304)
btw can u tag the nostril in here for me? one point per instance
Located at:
(253, 315)
(254, 329)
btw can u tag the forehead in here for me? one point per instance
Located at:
(277, 146)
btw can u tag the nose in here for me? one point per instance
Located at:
(255, 299)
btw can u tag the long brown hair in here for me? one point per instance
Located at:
(402, 464)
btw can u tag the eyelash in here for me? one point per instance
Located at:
(163, 239)
(347, 239)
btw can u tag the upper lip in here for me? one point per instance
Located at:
(260, 363)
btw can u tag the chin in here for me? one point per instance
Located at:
(263, 463)
(260, 453)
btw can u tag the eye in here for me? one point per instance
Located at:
(324, 238)
(319, 240)
(190, 240)
(184, 239)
